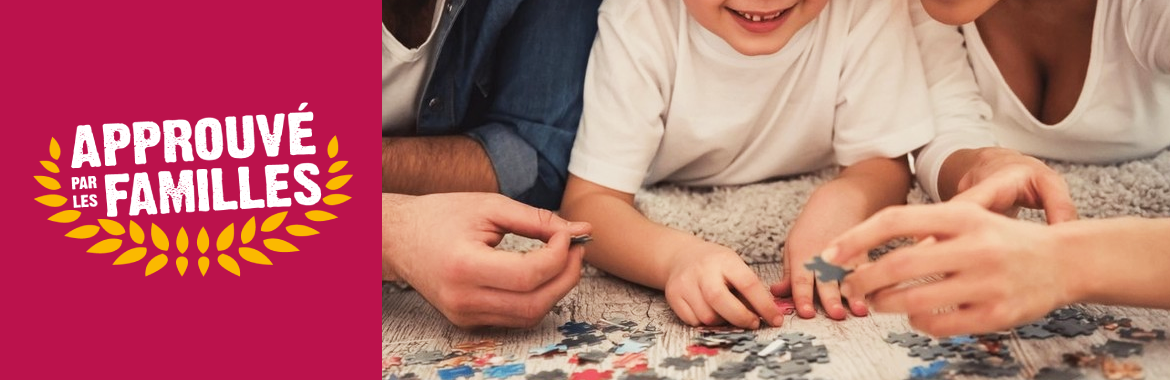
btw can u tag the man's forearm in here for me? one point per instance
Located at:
(442, 164)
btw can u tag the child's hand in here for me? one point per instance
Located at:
(801, 283)
(698, 289)
(999, 272)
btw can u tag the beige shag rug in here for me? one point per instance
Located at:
(754, 219)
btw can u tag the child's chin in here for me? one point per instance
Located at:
(751, 48)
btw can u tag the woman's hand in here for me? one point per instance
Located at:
(997, 272)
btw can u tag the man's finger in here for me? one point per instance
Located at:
(518, 272)
(524, 220)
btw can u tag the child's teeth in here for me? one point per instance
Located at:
(756, 18)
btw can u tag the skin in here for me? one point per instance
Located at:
(715, 16)
(999, 272)
(443, 246)
(705, 283)
(1042, 50)
(858, 192)
(424, 165)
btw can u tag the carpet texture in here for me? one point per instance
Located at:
(754, 219)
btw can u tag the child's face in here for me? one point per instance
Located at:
(956, 12)
(755, 27)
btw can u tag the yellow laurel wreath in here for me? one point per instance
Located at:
(159, 239)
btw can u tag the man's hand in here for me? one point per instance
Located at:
(1003, 180)
(443, 245)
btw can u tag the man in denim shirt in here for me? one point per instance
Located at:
(481, 97)
(499, 107)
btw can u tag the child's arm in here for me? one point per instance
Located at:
(1002, 271)
(858, 192)
(694, 273)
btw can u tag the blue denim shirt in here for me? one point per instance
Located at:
(510, 74)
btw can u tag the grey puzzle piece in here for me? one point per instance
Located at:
(907, 339)
(1118, 349)
(797, 338)
(1034, 331)
(811, 354)
(1071, 327)
(555, 374)
(424, 357)
(682, 363)
(1049, 373)
(930, 352)
(825, 271)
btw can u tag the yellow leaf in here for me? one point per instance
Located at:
(159, 237)
(248, 232)
(158, 262)
(338, 182)
(336, 199)
(299, 230)
(131, 255)
(336, 167)
(279, 245)
(54, 149)
(203, 263)
(48, 182)
(136, 233)
(67, 216)
(50, 166)
(112, 227)
(83, 232)
(106, 246)
(52, 200)
(227, 262)
(333, 147)
(202, 240)
(319, 216)
(224, 241)
(253, 256)
(181, 241)
(181, 264)
(273, 222)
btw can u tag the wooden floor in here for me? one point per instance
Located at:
(856, 348)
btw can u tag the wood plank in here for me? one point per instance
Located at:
(856, 348)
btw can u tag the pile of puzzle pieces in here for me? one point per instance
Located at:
(616, 349)
(789, 356)
(988, 355)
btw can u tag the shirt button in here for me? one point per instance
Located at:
(434, 102)
(450, 6)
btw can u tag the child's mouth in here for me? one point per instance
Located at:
(759, 22)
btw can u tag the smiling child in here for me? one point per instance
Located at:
(714, 92)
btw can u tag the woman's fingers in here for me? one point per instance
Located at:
(905, 264)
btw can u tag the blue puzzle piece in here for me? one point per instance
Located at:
(504, 371)
(456, 372)
(928, 371)
(826, 271)
(630, 345)
(548, 349)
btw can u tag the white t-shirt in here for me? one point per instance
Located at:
(404, 71)
(1123, 111)
(667, 100)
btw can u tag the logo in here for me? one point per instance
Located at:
(141, 196)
